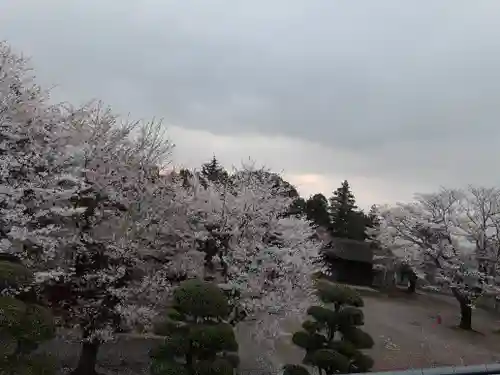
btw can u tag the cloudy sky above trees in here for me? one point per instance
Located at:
(395, 96)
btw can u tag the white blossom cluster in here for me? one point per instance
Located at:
(83, 203)
(451, 238)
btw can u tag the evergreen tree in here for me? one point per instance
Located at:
(198, 338)
(317, 210)
(24, 323)
(357, 226)
(287, 190)
(213, 171)
(342, 212)
(298, 207)
(333, 339)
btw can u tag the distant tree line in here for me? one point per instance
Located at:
(338, 214)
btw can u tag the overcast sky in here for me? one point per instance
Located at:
(394, 96)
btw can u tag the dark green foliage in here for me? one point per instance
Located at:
(345, 218)
(34, 364)
(295, 370)
(317, 211)
(357, 337)
(333, 340)
(322, 315)
(219, 366)
(198, 338)
(213, 172)
(175, 345)
(23, 325)
(285, 187)
(298, 207)
(201, 299)
(342, 208)
(14, 275)
(214, 337)
(311, 326)
(338, 294)
(357, 226)
(330, 361)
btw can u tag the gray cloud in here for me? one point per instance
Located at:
(405, 91)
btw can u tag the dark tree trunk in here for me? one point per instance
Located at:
(465, 310)
(412, 286)
(465, 316)
(88, 359)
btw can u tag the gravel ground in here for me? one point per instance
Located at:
(407, 335)
(405, 331)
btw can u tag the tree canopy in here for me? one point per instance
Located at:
(450, 239)
(108, 237)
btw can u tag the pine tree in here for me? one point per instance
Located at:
(333, 339)
(317, 210)
(199, 339)
(357, 226)
(342, 212)
(24, 323)
(213, 171)
(298, 207)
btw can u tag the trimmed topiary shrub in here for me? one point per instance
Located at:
(332, 339)
(198, 338)
(23, 324)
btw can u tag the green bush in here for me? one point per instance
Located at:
(23, 325)
(14, 275)
(333, 340)
(198, 338)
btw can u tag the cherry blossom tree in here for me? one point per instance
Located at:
(109, 276)
(84, 206)
(255, 243)
(428, 234)
(260, 251)
(33, 164)
(479, 219)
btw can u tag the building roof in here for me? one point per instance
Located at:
(347, 249)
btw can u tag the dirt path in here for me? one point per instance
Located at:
(407, 335)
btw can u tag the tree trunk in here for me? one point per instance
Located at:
(88, 359)
(465, 310)
(412, 285)
(465, 316)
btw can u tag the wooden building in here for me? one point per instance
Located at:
(349, 261)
